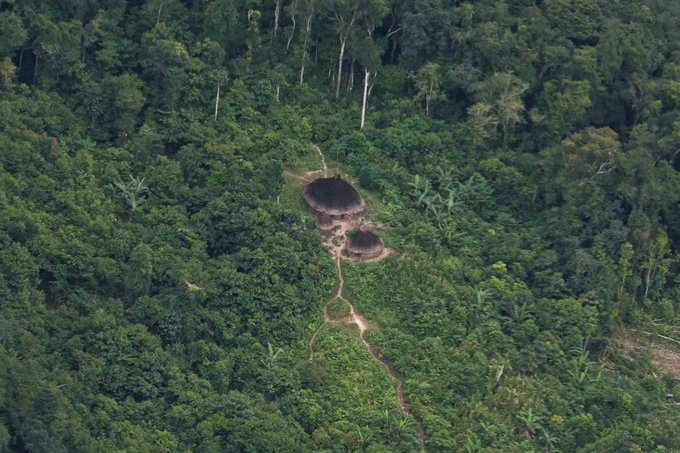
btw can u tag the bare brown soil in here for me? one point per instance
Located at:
(664, 354)
(302, 176)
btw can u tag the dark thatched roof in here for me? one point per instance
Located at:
(365, 242)
(333, 196)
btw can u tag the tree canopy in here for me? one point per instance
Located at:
(161, 277)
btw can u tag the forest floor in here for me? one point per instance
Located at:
(335, 244)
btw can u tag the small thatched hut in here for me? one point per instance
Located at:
(365, 245)
(333, 197)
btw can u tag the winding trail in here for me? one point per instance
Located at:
(323, 160)
(335, 244)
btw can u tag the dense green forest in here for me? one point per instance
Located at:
(161, 277)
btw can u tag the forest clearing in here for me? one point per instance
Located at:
(336, 244)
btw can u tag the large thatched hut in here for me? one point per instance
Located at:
(365, 245)
(333, 197)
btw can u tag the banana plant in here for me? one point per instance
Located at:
(581, 373)
(477, 307)
(520, 313)
(365, 436)
(272, 358)
(445, 176)
(439, 215)
(473, 444)
(404, 425)
(387, 422)
(452, 201)
(421, 191)
(550, 442)
(530, 421)
(133, 191)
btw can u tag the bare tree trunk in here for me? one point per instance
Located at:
(302, 71)
(277, 13)
(649, 277)
(393, 42)
(217, 101)
(428, 97)
(158, 17)
(293, 11)
(622, 288)
(367, 74)
(393, 51)
(350, 82)
(308, 29)
(343, 42)
(278, 89)
(370, 87)
(292, 32)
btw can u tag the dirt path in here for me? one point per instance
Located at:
(335, 245)
(323, 160)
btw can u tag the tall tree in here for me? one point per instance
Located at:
(277, 15)
(345, 14)
(224, 24)
(12, 33)
(427, 82)
(366, 51)
(368, 55)
(309, 9)
(503, 91)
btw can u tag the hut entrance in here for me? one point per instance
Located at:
(325, 224)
